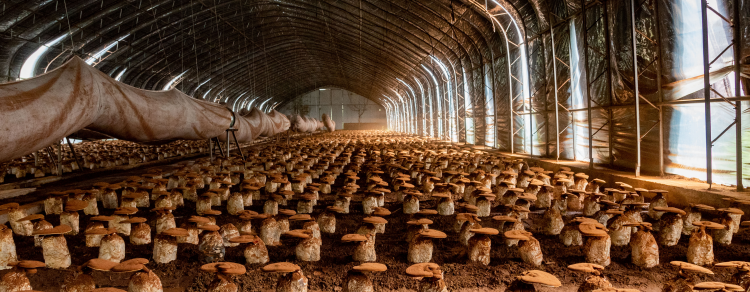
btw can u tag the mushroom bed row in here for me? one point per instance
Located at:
(445, 204)
(94, 155)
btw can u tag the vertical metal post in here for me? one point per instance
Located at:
(658, 86)
(636, 94)
(737, 29)
(546, 100)
(608, 49)
(554, 77)
(707, 93)
(588, 84)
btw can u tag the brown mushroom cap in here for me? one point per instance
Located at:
(505, 218)
(134, 220)
(100, 264)
(301, 217)
(209, 227)
(422, 270)
(246, 238)
(380, 211)
(375, 220)
(539, 277)
(432, 233)
(75, 205)
(353, 238)
(57, 230)
(198, 219)
(586, 267)
(127, 267)
(102, 218)
(370, 267)
(287, 212)
(731, 211)
(283, 267)
(425, 212)
(716, 286)
(485, 231)
(518, 234)
(212, 212)
(591, 229)
(703, 207)
(691, 267)
(420, 222)
(126, 211)
(9, 206)
(709, 224)
(176, 232)
(734, 264)
(141, 261)
(31, 217)
(27, 264)
(226, 268)
(298, 233)
(670, 210)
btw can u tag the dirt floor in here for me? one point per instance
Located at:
(329, 273)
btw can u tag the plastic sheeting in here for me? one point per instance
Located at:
(256, 123)
(37, 112)
(328, 123)
(305, 124)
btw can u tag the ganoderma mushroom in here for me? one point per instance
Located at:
(122, 214)
(480, 245)
(143, 279)
(223, 270)
(83, 281)
(414, 226)
(269, 230)
(619, 233)
(681, 283)
(112, 247)
(525, 282)
(16, 279)
(372, 225)
(255, 252)
(430, 277)
(229, 231)
(670, 225)
(365, 250)
(211, 245)
(310, 224)
(659, 200)
(728, 218)
(471, 222)
(165, 245)
(245, 225)
(411, 201)
(529, 248)
(93, 234)
(271, 206)
(357, 281)
(308, 248)
(55, 248)
(644, 251)
(591, 204)
(571, 235)
(701, 247)
(140, 233)
(693, 214)
(235, 203)
(7, 248)
(597, 245)
(553, 221)
(39, 224)
(15, 213)
(742, 276)
(445, 205)
(70, 216)
(293, 279)
(164, 219)
(484, 202)
(508, 223)
(327, 219)
(282, 219)
(55, 203)
(717, 286)
(421, 247)
(306, 203)
(205, 202)
(594, 279)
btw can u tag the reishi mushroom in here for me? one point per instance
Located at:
(165, 245)
(525, 282)
(293, 279)
(681, 282)
(112, 246)
(597, 246)
(365, 250)
(357, 281)
(644, 250)
(421, 247)
(55, 248)
(255, 252)
(480, 245)
(430, 276)
(529, 247)
(594, 279)
(16, 279)
(223, 270)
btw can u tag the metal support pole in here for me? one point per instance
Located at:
(554, 77)
(588, 84)
(75, 156)
(36, 159)
(707, 93)
(737, 28)
(635, 92)
(608, 50)
(546, 101)
(658, 86)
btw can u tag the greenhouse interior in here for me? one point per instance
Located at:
(375, 145)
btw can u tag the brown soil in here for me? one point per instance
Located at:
(328, 274)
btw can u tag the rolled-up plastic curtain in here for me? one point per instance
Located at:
(40, 111)
(256, 124)
(328, 123)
